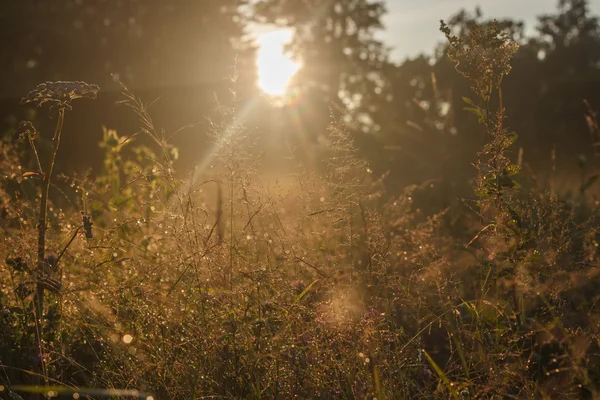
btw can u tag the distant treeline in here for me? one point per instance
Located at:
(408, 118)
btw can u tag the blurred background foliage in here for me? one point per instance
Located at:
(407, 117)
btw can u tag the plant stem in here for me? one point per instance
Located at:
(39, 295)
(37, 159)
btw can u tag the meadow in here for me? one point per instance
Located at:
(312, 283)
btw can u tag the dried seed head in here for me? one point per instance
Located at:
(23, 290)
(24, 130)
(17, 264)
(87, 226)
(60, 94)
(51, 260)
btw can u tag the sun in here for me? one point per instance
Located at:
(275, 67)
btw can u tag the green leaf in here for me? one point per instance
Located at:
(468, 101)
(475, 111)
(441, 375)
(512, 138)
(301, 295)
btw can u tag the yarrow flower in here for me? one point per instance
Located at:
(60, 94)
(25, 129)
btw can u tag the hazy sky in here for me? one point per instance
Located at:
(412, 25)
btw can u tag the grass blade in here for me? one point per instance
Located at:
(441, 375)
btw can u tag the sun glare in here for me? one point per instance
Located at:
(275, 67)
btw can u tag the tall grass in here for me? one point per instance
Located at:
(225, 284)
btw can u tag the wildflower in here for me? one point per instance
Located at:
(25, 129)
(60, 94)
(483, 56)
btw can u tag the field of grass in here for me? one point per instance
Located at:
(315, 284)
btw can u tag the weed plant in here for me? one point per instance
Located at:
(319, 285)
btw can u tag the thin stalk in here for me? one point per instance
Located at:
(39, 295)
(501, 107)
(231, 229)
(67, 246)
(35, 153)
